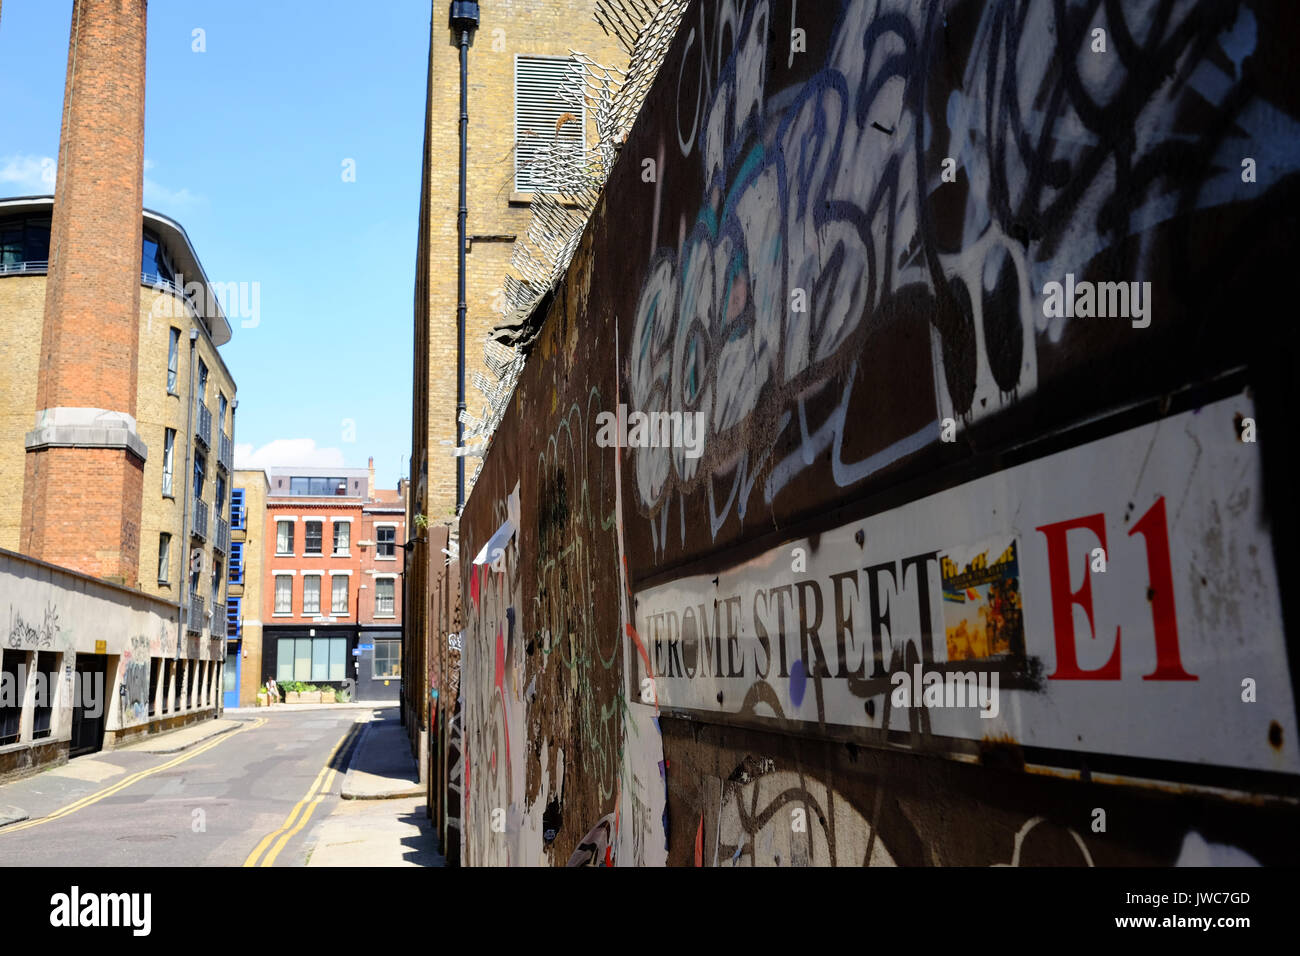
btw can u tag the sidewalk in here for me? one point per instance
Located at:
(382, 767)
(376, 833)
(381, 820)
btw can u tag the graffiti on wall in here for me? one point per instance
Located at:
(34, 633)
(825, 219)
(817, 282)
(134, 672)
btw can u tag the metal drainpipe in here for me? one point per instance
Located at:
(465, 18)
(182, 610)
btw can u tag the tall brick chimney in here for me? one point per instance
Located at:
(85, 463)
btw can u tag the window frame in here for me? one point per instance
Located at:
(284, 521)
(164, 557)
(347, 526)
(169, 463)
(173, 360)
(394, 670)
(391, 581)
(380, 545)
(275, 595)
(307, 537)
(306, 610)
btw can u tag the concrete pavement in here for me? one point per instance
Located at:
(382, 766)
(376, 833)
(266, 792)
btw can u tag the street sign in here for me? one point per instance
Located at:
(365, 647)
(356, 652)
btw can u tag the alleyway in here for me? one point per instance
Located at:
(262, 794)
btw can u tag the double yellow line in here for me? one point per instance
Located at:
(319, 789)
(134, 778)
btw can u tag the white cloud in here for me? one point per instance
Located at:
(157, 196)
(288, 451)
(27, 175)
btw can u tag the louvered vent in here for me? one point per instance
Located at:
(550, 121)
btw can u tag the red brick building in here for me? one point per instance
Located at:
(383, 553)
(331, 593)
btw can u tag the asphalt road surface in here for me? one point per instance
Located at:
(255, 796)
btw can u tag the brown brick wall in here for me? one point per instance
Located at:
(81, 510)
(93, 296)
(82, 506)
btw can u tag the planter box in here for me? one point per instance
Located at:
(293, 697)
(261, 700)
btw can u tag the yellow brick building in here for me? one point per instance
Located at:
(512, 54)
(185, 506)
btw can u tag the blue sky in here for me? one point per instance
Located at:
(245, 145)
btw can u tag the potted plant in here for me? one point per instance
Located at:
(262, 696)
(292, 692)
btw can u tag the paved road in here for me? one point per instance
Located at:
(254, 796)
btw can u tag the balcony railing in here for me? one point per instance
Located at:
(200, 525)
(225, 451)
(29, 267)
(196, 620)
(221, 541)
(204, 430)
(218, 620)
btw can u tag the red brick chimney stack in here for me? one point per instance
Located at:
(85, 463)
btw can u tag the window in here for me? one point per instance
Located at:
(313, 535)
(284, 537)
(339, 604)
(318, 487)
(169, 459)
(155, 668)
(221, 413)
(11, 700)
(311, 594)
(24, 240)
(311, 659)
(216, 592)
(342, 536)
(200, 468)
(47, 668)
(550, 120)
(385, 589)
(173, 360)
(388, 659)
(230, 676)
(203, 380)
(220, 503)
(164, 557)
(237, 508)
(386, 539)
(283, 594)
(236, 562)
(154, 261)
